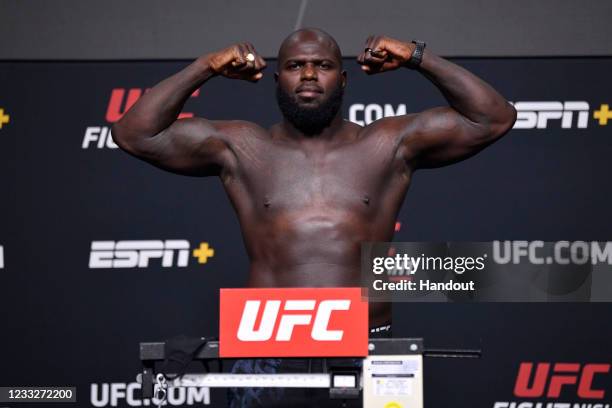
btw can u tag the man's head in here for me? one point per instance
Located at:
(310, 79)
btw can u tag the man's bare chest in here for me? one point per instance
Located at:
(348, 175)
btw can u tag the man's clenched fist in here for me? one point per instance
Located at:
(384, 54)
(239, 61)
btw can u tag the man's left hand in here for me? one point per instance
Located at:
(384, 54)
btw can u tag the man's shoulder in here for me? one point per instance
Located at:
(390, 127)
(238, 132)
(239, 127)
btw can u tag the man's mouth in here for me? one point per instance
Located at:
(309, 91)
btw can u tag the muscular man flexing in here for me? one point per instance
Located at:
(311, 188)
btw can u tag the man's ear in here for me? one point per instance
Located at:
(343, 79)
(276, 77)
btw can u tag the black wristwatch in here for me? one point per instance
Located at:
(417, 55)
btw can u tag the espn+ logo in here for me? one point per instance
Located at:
(319, 330)
(139, 254)
(538, 381)
(536, 115)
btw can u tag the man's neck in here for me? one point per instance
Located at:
(329, 132)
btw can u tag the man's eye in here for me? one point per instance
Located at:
(294, 65)
(325, 65)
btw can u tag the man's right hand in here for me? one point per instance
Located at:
(151, 131)
(239, 61)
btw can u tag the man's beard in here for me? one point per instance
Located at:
(310, 121)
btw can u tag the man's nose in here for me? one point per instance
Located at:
(309, 72)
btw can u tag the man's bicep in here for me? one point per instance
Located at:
(440, 136)
(195, 146)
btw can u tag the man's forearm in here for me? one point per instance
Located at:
(466, 93)
(158, 108)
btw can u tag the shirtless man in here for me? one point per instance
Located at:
(310, 189)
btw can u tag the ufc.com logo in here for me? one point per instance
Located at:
(293, 322)
(550, 383)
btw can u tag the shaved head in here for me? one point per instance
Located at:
(309, 35)
(310, 80)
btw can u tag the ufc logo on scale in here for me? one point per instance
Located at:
(293, 322)
(246, 331)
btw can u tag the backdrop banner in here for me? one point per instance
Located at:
(100, 251)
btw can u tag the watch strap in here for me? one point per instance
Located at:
(417, 56)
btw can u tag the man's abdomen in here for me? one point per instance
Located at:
(313, 249)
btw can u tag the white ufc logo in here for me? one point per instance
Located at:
(319, 330)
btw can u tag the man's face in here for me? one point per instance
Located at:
(310, 84)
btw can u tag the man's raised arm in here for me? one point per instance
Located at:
(477, 116)
(151, 131)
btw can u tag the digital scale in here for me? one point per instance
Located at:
(391, 375)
